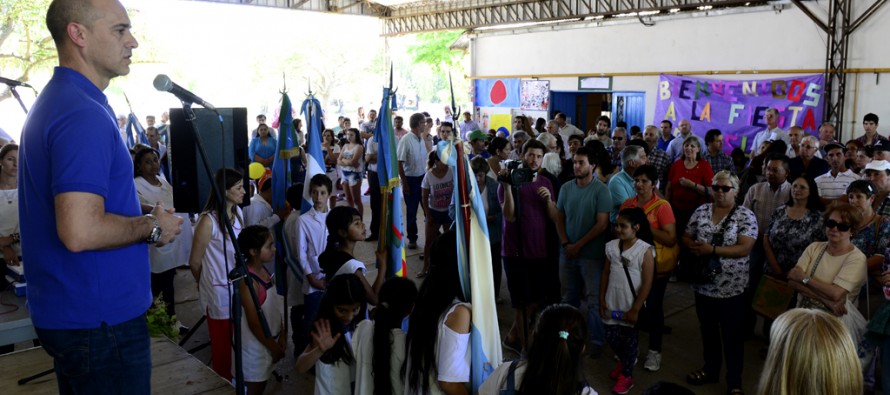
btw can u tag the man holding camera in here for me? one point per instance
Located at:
(583, 219)
(527, 203)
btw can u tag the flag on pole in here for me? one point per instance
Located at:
(133, 125)
(474, 264)
(287, 149)
(311, 109)
(391, 228)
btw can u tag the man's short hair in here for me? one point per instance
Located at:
(604, 119)
(416, 120)
(587, 153)
(399, 117)
(631, 152)
(546, 139)
(779, 157)
(870, 118)
(773, 110)
(578, 137)
(619, 129)
(446, 123)
(321, 180)
(711, 135)
(533, 144)
(63, 12)
(560, 115)
(671, 124)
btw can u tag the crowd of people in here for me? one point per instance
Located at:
(602, 219)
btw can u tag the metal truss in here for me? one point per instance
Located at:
(467, 14)
(839, 27)
(350, 7)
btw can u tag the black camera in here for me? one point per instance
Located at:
(517, 173)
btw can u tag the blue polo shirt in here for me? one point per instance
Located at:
(621, 186)
(71, 143)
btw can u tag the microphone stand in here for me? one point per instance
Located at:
(19, 98)
(239, 273)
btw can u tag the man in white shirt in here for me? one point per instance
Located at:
(566, 129)
(675, 148)
(468, 125)
(771, 133)
(412, 153)
(833, 185)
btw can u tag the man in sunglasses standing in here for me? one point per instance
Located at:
(763, 198)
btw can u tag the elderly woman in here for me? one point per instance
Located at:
(725, 232)
(664, 232)
(830, 274)
(262, 148)
(872, 234)
(9, 212)
(793, 227)
(688, 185)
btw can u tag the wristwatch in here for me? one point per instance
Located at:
(805, 281)
(155, 230)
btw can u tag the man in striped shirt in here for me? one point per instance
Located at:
(833, 185)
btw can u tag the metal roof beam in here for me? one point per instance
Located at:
(431, 15)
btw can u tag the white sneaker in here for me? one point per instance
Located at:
(653, 361)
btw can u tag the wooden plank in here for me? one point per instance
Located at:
(174, 371)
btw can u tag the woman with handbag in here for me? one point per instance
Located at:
(793, 227)
(723, 234)
(829, 275)
(664, 231)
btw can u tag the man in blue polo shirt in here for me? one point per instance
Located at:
(85, 236)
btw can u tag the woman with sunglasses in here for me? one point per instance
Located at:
(721, 304)
(872, 235)
(830, 274)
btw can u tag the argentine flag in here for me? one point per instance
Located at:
(311, 108)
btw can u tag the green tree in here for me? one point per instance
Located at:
(25, 43)
(436, 60)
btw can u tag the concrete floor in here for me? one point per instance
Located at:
(682, 350)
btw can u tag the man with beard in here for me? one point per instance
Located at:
(583, 220)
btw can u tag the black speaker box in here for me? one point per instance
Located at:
(225, 148)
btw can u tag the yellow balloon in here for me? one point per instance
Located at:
(256, 170)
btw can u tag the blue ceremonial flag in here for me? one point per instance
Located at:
(134, 125)
(315, 161)
(287, 149)
(391, 228)
(474, 264)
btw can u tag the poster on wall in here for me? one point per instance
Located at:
(497, 92)
(737, 107)
(534, 95)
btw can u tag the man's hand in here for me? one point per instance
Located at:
(544, 193)
(170, 224)
(573, 250)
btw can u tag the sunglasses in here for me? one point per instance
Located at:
(839, 225)
(617, 138)
(721, 188)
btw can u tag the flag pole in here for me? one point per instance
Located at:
(463, 194)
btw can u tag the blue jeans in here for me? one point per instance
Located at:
(105, 360)
(412, 202)
(575, 274)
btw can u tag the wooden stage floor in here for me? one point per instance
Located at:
(173, 371)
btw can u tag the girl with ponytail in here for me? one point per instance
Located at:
(379, 345)
(345, 228)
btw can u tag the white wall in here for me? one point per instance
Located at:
(749, 41)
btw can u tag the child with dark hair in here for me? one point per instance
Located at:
(438, 342)
(379, 345)
(554, 364)
(345, 228)
(627, 279)
(260, 352)
(307, 238)
(330, 350)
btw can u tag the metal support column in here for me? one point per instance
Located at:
(836, 61)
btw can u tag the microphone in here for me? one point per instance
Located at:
(13, 83)
(163, 83)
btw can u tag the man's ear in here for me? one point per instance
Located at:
(77, 33)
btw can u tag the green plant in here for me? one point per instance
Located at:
(159, 322)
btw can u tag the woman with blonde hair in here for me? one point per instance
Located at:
(810, 352)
